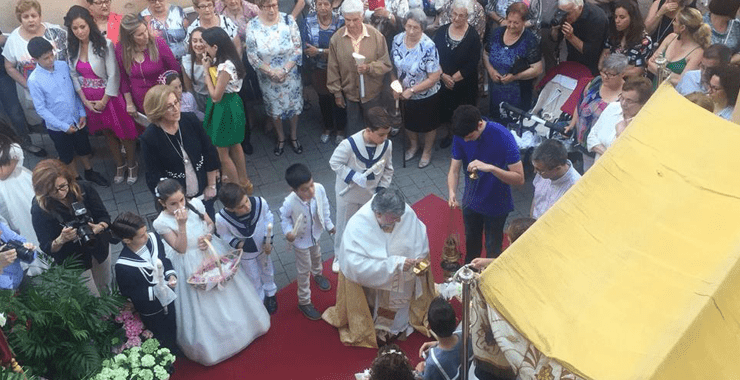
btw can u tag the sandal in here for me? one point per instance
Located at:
(120, 174)
(297, 147)
(133, 174)
(279, 148)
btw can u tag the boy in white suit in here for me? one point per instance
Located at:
(368, 150)
(246, 223)
(305, 214)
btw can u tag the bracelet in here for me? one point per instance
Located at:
(211, 187)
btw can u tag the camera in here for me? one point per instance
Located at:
(85, 235)
(558, 19)
(24, 254)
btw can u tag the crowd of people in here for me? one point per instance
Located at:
(179, 93)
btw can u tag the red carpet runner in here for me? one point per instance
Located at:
(298, 349)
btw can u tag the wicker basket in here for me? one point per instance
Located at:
(215, 270)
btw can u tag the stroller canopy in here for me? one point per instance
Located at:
(635, 272)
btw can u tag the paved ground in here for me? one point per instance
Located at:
(267, 174)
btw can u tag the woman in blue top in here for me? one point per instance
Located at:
(417, 68)
(316, 31)
(514, 60)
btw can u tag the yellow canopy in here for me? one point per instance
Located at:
(634, 273)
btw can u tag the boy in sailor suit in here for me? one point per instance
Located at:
(365, 150)
(304, 215)
(141, 272)
(246, 223)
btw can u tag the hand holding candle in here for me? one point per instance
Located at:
(360, 60)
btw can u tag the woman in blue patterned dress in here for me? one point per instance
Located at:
(316, 31)
(274, 50)
(514, 60)
(415, 57)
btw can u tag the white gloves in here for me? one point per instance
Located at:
(360, 180)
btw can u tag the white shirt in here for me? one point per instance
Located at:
(548, 191)
(604, 131)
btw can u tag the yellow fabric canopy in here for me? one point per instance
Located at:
(634, 273)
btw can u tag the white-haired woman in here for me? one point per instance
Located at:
(459, 47)
(417, 68)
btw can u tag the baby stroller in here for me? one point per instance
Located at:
(559, 92)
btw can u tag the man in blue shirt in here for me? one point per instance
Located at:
(696, 80)
(57, 103)
(487, 150)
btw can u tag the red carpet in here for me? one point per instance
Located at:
(296, 348)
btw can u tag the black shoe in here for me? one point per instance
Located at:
(310, 312)
(446, 142)
(271, 304)
(322, 282)
(279, 148)
(35, 150)
(297, 147)
(247, 147)
(96, 178)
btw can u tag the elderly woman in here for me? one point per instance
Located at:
(96, 79)
(598, 94)
(108, 22)
(18, 62)
(617, 115)
(514, 60)
(724, 84)
(316, 31)
(176, 146)
(659, 20)
(208, 18)
(274, 50)
(725, 27)
(627, 36)
(476, 16)
(142, 58)
(168, 22)
(684, 48)
(459, 48)
(53, 213)
(496, 12)
(240, 12)
(417, 68)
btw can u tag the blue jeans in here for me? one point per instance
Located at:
(10, 107)
(475, 225)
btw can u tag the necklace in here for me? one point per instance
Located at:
(185, 160)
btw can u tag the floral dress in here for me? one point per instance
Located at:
(275, 46)
(589, 109)
(250, 11)
(637, 55)
(171, 30)
(504, 58)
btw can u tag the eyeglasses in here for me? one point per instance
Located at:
(156, 1)
(456, 15)
(205, 6)
(62, 187)
(269, 6)
(173, 106)
(606, 75)
(100, 3)
(627, 102)
(713, 88)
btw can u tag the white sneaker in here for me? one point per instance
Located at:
(335, 266)
(324, 138)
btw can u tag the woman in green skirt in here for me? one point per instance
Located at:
(225, 120)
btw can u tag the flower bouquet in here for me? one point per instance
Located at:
(148, 362)
(133, 327)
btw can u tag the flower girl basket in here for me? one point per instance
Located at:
(215, 270)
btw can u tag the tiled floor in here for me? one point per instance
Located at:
(267, 174)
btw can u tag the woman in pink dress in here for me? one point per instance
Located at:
(95, 76)
(142, 58)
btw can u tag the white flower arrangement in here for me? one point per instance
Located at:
(148, 362)
(2, 320)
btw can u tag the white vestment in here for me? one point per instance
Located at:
(351, 156)
(374, 259)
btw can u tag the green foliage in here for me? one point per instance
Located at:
(61, 331)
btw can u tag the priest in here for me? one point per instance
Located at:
(379, 295)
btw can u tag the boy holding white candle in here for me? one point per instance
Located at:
(305, 214)
(246, 223)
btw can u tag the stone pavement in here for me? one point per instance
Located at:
(267, 174)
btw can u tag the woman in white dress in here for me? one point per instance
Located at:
(212, 325)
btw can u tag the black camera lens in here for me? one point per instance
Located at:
(23, 254)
